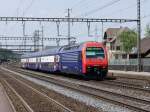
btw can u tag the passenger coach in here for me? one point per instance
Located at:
(88, 59)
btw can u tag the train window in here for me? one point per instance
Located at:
(71, 48)
(67, 48)
(95, 52)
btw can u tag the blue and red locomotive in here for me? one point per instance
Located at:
(88, 59)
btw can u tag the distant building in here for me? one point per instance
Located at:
(113, 43)
(145, 49)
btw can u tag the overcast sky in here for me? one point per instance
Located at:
(80, 8)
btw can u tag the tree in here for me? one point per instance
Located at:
(147, 30)
(128, 40)
(7, 54)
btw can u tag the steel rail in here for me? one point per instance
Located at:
(119, 84)
(125, 85)
(27, 107)
(73, 86)
(9, 100)
(42, 94)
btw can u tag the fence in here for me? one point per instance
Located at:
(129, 64)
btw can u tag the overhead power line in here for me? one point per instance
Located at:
(126, 8)
(25, 11)
(15, 13)
(28, 7)
(18, 7)
(144, 17)
(123, 9)
(78, 3)
(100, 8)
(120, 10)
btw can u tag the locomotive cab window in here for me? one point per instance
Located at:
(95, 52)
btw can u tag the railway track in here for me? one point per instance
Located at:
(133, 80)
(138, 87)
(132, 103)
(25, 106)
(144, 88)
(127, 82)
(118, 83)
(13, 94)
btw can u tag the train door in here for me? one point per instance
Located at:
(80, 62)
(56, 62)
(36, 63)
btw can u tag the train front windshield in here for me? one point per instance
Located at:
(95, 52)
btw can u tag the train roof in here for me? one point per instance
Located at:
(56, 50)
(42, 53)
(75, 47)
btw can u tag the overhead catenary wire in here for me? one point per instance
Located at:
(15, 13)
(78, 3)
(126, 8)
(146, 16)
(100, 8)
(81, 2)
(23, 14)
(120, 10)
(18, 7)
(84, 5)
(25, 11)
(28, 7)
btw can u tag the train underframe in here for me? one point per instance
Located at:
(93, 72)
(97, 73)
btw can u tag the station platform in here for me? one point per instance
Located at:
(129, 73)
(5, 105)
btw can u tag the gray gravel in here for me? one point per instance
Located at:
(106, 106)
(81, 97)
(120, 90)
